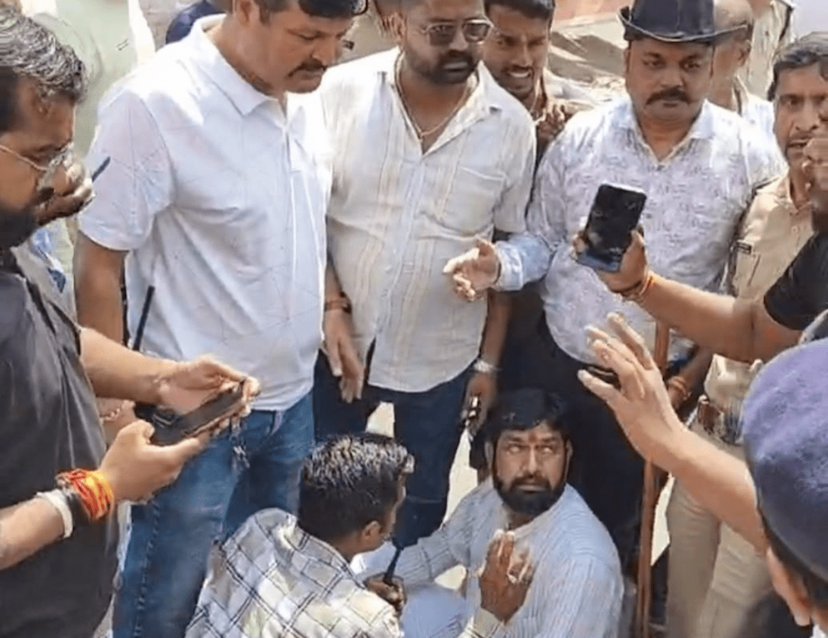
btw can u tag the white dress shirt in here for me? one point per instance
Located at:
(695, 198)
(577, 588)
(220, 198)
(398, 214)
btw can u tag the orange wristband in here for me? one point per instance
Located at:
(92, 489)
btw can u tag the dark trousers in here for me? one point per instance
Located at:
(606, 470)
(426, 423)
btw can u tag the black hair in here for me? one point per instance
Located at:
(29, 50)
(804, 52)
(350, 481)
(316, 8)
(816, 586)
(539, 9)
(525, 409)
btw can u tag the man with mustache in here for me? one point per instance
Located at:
(715, 576)
(577, 587)
(213, 206)
(59, 486)
(699, 166)
(430, 156)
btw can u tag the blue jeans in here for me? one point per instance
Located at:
(242, 472)
(426, 423)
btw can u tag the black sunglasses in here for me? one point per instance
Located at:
(442, 34)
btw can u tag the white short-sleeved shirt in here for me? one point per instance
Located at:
(220, 199)
(397, 215)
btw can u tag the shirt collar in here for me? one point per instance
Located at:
(239, 91)
(310, 546)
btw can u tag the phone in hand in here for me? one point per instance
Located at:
(170, 428)
(615, 213)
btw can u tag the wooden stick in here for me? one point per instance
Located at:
(649, 502)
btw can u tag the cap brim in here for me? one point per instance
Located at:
(672, 38)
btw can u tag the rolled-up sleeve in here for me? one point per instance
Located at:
(137, 183)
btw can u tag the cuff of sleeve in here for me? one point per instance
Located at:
(485, 625)
(511, 272)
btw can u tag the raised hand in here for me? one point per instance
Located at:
(642, 404)
(475, 271)
(505, 579)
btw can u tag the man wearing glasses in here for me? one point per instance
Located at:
(431, 156)
(217, 191)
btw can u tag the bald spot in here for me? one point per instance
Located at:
(732, 14)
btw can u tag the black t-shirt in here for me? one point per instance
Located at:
(49, 424)
(801, 294)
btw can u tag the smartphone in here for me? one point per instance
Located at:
(171, 428)
(615, 213)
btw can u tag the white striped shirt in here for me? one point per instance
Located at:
(397, 215)
(577, 589)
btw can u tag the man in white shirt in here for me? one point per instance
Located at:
(699, 166)
(430, 156)
(577, 586)
(214, 200)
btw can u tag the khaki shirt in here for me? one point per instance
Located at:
(771, 33)
(771, 235)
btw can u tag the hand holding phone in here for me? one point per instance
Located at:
(171, 427)
(615, 213)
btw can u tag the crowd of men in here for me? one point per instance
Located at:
(244, 208)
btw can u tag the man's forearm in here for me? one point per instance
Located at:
(721, 324)
(497, 323)
(718, 481)
(523, 258)
(695, 370)
(98, 295)
(119, 373)
(333, 289)
(27, 528)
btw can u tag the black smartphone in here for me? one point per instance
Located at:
(171, 428)
(615, 213)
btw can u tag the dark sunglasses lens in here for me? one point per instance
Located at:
(361, 7)
(476, 31)
(441, 35)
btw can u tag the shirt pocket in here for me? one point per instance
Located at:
(745, 264)
(467, 208)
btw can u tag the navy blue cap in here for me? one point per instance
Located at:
(786, 445)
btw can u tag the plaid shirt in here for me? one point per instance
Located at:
(272, 579)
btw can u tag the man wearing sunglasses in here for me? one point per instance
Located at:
(431, 155)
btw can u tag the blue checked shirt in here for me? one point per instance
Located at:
(272, 579)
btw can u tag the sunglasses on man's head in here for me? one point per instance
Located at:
(442, 34)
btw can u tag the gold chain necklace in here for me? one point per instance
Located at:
(421, 134)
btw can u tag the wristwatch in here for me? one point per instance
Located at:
(484, 367)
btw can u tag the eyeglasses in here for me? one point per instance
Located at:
(442, 34)
(48, 172)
